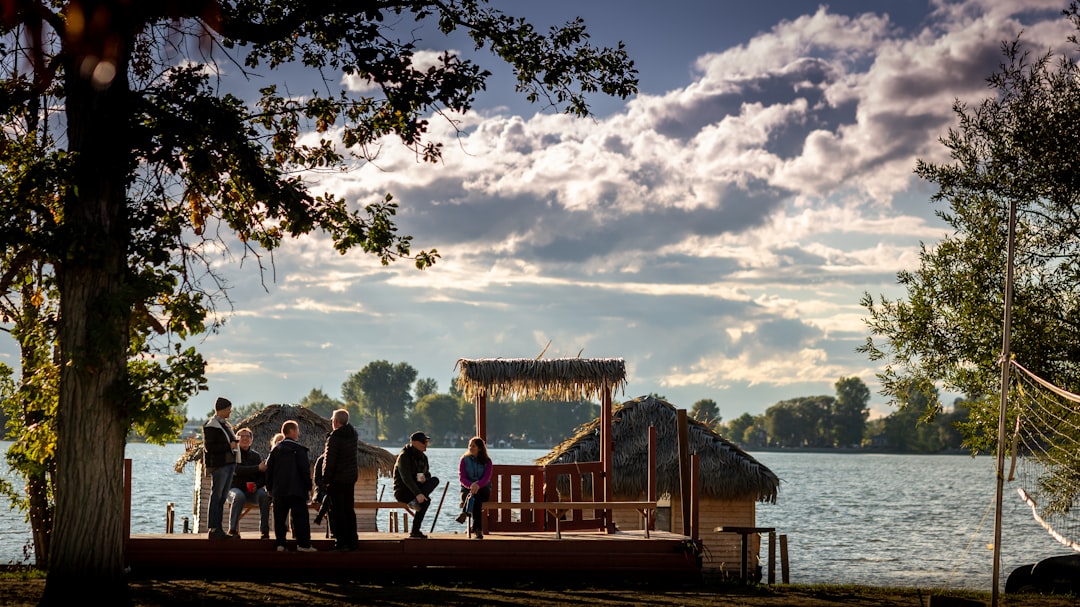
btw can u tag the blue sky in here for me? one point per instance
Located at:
(716, 231)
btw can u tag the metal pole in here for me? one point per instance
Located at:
(1003, 410)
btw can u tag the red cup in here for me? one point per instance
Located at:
(251, 487)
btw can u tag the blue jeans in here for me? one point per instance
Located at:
(220, 481)
(237, 499)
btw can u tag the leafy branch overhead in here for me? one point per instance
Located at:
(129, 165)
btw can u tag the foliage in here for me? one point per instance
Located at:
(1019, 149)
(150, 170)
(320, 402)
(381, 389)
(706, 411)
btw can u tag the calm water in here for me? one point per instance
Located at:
(884, 520)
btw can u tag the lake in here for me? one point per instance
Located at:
(881, 520)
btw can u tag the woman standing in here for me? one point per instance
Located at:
(474, 472)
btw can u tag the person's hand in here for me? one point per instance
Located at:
(234, 444)
(420, 499)
(474, 488)
(262, 466)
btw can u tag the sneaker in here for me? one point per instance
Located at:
(281, 549)
(306, 549)
(479, 535)
(414, 505)
(461, 518)
(264, 536)
(416, 535)
(217, 534)
(234, 534)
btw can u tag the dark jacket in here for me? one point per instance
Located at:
(288, 470)
(247, 471)
(409, 461)
(339, 465)
(217, 434)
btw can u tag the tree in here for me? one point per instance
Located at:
(737, 427)
(707, 411)
(381, 389)
(425, 386)
(1018, 147)
(850, 412)
(320, 402)
(438, 415)
(156, 161)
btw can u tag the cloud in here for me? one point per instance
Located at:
(718, 236)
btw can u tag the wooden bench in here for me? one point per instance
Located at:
(557, 509)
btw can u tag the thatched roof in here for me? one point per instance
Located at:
(313, 430)
(550, 379)
(727, 472)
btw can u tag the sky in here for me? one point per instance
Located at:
(716, 231)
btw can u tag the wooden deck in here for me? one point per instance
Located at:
(593, 552)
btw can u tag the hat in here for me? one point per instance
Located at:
(222, 403)
(420, 436)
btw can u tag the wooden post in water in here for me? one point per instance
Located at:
(783, 558)
(170, 517)
(683, 430)
(127, 500)
(772, 557)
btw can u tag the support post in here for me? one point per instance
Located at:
(650, 517)
(481, 416)
(606, 454)
(683, 431)
(127, 499)
(1004, 406)
(170, 517)
(772, 557)
(783, 558)
(695, 482)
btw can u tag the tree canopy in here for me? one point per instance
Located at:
(146, 169)
(1019, 149)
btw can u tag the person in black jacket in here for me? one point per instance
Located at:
(339, 474)
(413, 482)
(288, 479)
(249, 486)
(221, 451)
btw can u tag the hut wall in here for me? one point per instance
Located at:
(723, 550)
(249, 524)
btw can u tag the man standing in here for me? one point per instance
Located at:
(288, 479)
(413, 482)
(249, 485)
(339, 474)
(221, 451)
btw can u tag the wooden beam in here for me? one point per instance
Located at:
(684, 467)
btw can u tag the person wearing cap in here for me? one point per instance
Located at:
(413, 482)
(221, 451)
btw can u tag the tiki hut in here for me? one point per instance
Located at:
(550, 379)
(373, 462)
(732, 481)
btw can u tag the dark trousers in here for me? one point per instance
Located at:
(295, 507)
(342, 515)
(427, 488)
(483, 494)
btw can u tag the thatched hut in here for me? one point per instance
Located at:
(373, 462)
(732, 481)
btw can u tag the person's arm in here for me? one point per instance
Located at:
(462, 478)
(330, 458)
(486, 478)
(408, 474)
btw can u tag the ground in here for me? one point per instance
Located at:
(16, 592)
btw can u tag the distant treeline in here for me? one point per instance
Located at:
(387, 402)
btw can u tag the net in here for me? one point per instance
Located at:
(1046, 455)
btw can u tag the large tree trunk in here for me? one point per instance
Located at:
(87, 552)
